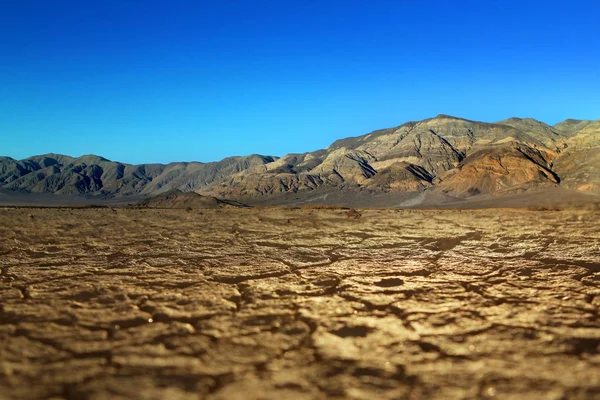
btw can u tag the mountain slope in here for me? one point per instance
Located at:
(579, 163)
(569, 127)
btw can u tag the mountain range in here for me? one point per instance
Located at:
(443, 157)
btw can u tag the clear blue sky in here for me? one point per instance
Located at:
(159, 81)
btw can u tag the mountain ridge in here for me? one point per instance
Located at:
(446, 154)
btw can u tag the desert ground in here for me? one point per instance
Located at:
(305, 303)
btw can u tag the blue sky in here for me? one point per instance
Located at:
(160, 81)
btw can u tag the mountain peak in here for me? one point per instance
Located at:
(448, 117)
(518, 119)
(92, 158)
(445, 116)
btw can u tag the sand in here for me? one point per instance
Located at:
(299, 304)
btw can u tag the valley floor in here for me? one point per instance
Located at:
(299, 304)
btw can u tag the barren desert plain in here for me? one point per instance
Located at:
(299, 303)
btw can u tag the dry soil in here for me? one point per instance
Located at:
(299, 304)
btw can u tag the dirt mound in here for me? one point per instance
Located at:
(178, 199)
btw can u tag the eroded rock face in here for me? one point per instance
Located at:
(304, 303)
(499, 171)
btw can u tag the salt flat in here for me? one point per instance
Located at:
(299, 304)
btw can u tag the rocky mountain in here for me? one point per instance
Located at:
(444, 154)
(93, 175)
(450, 156)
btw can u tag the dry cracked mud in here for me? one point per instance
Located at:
(299, 304)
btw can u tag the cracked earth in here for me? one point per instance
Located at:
(299, 304)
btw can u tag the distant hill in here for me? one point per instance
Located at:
(177, 199)
(445, 157)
